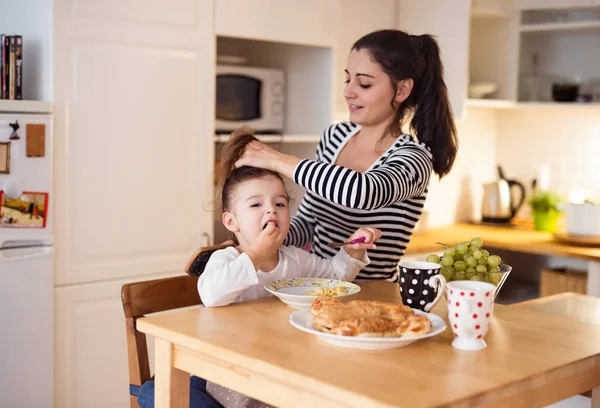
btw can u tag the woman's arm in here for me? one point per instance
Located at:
(302, 225)
(260, 155)
(405, 175)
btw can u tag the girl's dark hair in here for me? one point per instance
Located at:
(228, 175)
(402, 56)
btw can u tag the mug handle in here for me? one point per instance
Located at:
(434, 281)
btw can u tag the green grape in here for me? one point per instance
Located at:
(495, 277)
(477, 277)
(481, 268)
(433, 258)
(471, 261)
(459, 275)
(493, 268)
(484, 252)
(494, 260)
(457, 257)
(470, 272)
(447, 260)
(447, 272)
(461, 248)
(477, 242)
(483, 260)
(477, 254)
(449, 252)
(460, 266)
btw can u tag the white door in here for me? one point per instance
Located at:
(26, 328)
(134, 136)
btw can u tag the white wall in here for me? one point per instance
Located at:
(568, 141)
(457, 197)
(37, 43)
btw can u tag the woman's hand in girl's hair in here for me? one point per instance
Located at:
(265, 244)
(358, 250)
(257, 154)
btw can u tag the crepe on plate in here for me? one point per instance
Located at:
(367, 318)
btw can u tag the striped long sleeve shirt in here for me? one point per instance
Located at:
(389, 195)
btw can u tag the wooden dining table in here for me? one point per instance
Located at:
(532, 359)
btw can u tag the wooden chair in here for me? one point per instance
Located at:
(141, 298)
(198, 260)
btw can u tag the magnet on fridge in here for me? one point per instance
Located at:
(27, 211)
(12, 188)
(5, 157)
(14, 138)
(35, 144)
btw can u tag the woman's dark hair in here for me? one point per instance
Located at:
(228, 175)
(402, 56)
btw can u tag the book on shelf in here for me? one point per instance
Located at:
(11, 66)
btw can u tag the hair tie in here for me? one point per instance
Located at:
(417, 39)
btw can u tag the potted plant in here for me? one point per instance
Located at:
(545, 206)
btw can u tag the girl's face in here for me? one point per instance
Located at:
(369, 91)
(255, 203)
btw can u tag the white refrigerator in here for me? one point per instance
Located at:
(26, 261)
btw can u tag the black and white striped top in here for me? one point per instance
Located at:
(390, 196)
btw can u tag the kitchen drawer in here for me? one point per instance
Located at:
(553, 281)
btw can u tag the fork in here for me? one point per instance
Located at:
(340, 244)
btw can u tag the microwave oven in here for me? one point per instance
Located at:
(250, 96)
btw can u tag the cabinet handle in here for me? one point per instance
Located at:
(205, 239)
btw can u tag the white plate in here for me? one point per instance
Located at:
(303, 320)
(294, 291)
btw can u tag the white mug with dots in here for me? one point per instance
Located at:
(421, 285)
(470, 309)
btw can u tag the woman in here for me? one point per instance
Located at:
(367, 172)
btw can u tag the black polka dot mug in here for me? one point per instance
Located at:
(421, 285)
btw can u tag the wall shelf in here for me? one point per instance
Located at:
(504, 104)
(566, 26)
(287, 138)
(22, 106)
(491, 103)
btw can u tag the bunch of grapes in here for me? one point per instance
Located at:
(468, 261)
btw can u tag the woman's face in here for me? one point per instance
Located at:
(369, 91)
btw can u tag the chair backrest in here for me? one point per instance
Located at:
(141, 298)
(198, 260)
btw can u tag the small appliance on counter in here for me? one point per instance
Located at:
(583, 219)
(498, 206)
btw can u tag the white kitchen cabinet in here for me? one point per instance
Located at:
(134, 128)
(448, 21)
(309, 22)
(91, 368)
(357, 18)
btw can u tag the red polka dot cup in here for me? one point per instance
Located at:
(470, 308)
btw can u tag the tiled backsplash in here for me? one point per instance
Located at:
(566, 140)
(457, 197)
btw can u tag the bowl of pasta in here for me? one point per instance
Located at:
(300, 292)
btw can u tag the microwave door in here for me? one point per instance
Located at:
(238, 98)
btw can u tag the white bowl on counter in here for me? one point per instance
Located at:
(583, 219)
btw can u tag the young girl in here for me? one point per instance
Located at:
(255, 208)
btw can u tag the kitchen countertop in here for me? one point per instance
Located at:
(518, 238)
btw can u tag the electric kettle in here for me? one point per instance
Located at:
(498, 204)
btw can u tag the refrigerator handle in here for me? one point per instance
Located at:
(205, 239)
